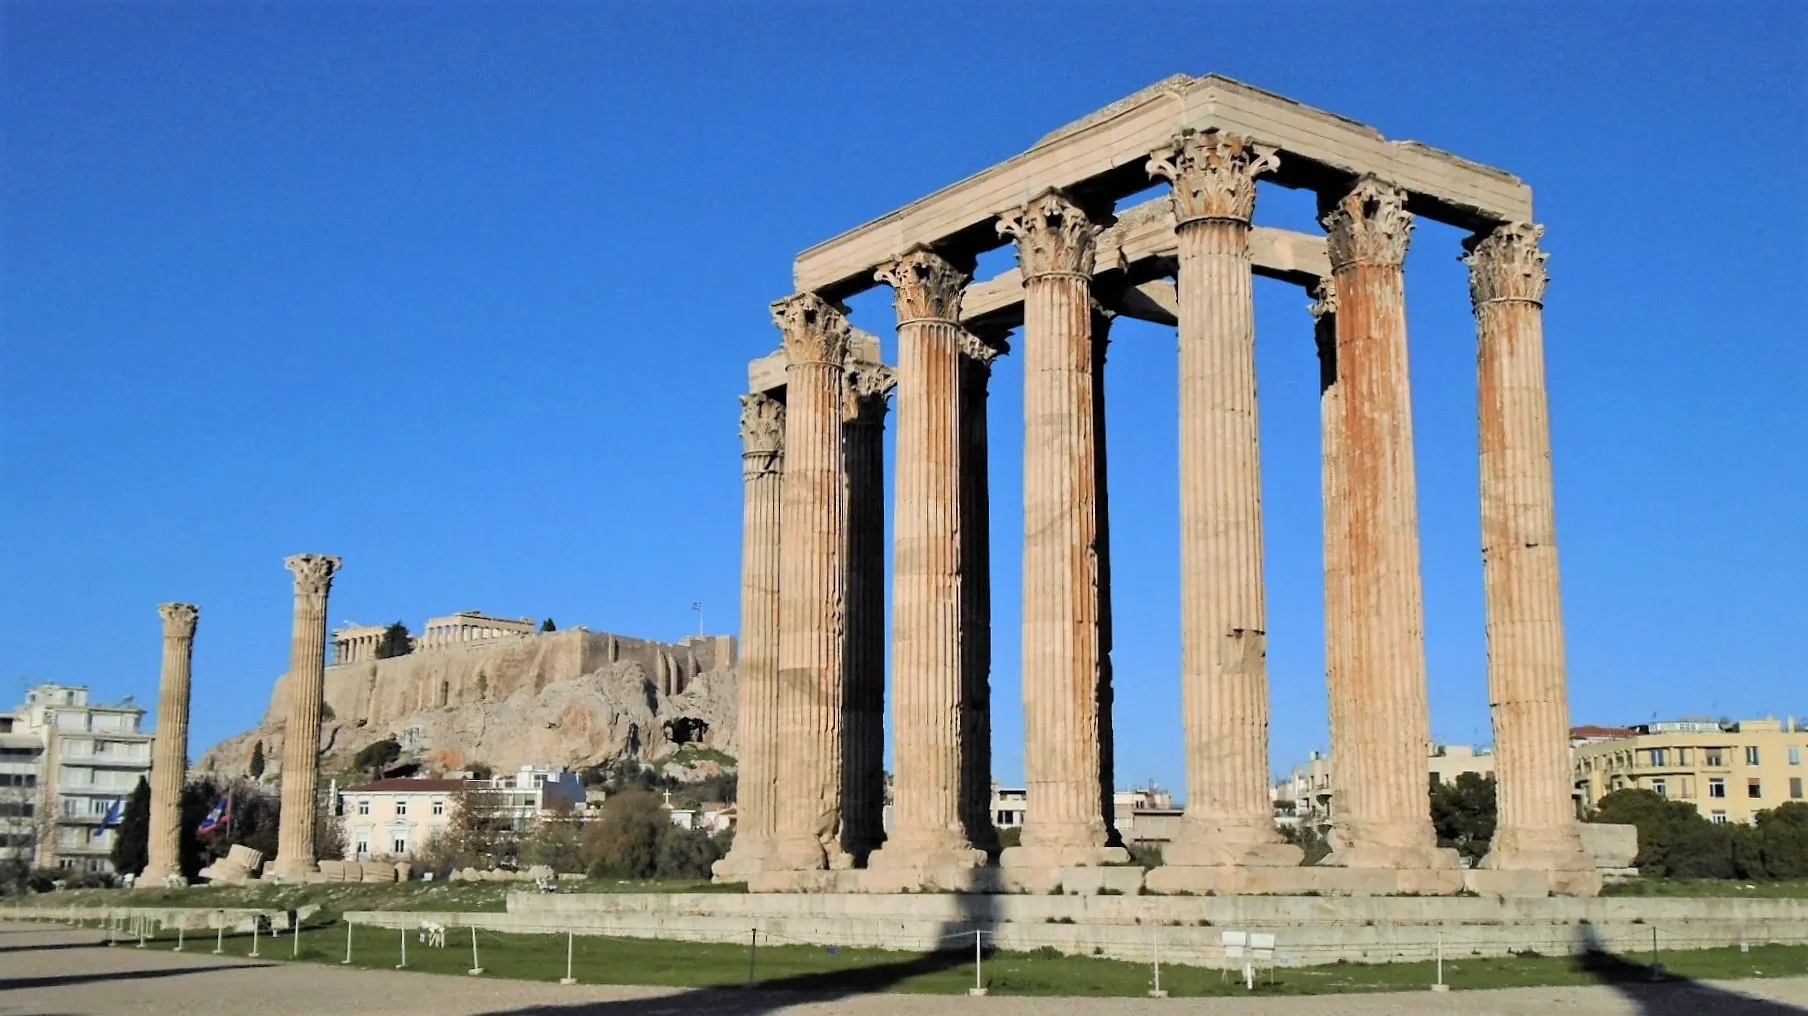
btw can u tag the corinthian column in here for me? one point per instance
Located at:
(927, 832)
(977, 358)
(1388, 823)
(812, 586)
(1526, 681)
(869, 387)
(301, 738)
(1061, 576)
(1224, 671)
(169, 764)
(762, 472)
(1343, 709)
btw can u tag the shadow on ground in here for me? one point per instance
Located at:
(62, 980)
(1667, 994)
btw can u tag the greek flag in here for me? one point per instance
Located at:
(217, 818)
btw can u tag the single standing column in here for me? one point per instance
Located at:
(1224, 670)
(1388, 823)
(869, 387)
(1343, 709)
(169, 763)
(812, 587)
(1526, 680)
(301, 738)
(977, 357)
(762, 472)
(927, 832)
(1061, 575)
(1101, 342)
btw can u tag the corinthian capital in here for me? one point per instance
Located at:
(1214, 175)
(815, 330)
(1369, 224)
(313, 572)
(979, 350)
(1054, 236)
(869, 388)
(179, 619)
(925, 286)
(1507, 264)
(762, 424)
(1324, 303)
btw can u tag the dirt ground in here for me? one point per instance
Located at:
(52, 970)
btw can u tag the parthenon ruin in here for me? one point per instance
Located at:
(812, 678)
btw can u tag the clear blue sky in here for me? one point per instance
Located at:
(464, 293)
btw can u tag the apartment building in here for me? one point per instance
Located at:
(82, 759)
(389, 819)
(1307, 793)
(1728, 771)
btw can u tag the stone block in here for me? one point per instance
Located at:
(1613, 846)
(351, 871)
(333, 870)
(403, 871)
(814, 881)
(1095, 880)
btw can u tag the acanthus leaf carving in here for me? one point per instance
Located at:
(814, 330)
(1369, 224)
(313, 573)
(1324, 299)
(869, 387)
(1213, 175)
(925, 286)
(179, 619)
(1054, 236)
(979, 350)
(1507, 264)
(762, 425)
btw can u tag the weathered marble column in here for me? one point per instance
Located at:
(1061, 663)
(812, 587)
(869, 388)
(1342, 709)
(301, 736)
(1102, 319)
(1387, 824)
(927, 833)
(1224, 671)
(1526, 678)
(762, 473)
(978, 355)
(169, 762)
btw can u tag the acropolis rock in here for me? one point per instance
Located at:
(573, 698)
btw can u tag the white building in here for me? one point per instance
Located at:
(82, 760)
(390, 819)
(1307, 794)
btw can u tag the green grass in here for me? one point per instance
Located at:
(598, 960)
(1796, 889)
(338, 897)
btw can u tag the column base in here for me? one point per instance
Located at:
(1047, 868)
(160, 880)
(1388, 856)
(1531, 882)
(807, 853)
(843, 881)
(742, 861)
(934, 879)
(1230, 848)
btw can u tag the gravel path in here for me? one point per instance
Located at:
(45, 970)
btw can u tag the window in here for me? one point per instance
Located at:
(1682, 756)
(1795, 788)
(363, 805)
(1713, 757)
(1751, 754)
(401, 844)
(1659, 757)
(1718, 818)
(361, 848)
(401, 807)
(1753, 789)
(1660, 787)
(1795, 756)
(1688, 786)
(439, 807)
(1716, 787)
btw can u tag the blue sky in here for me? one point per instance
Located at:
(464, 293)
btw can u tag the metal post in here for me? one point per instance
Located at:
(476, 967)
(568, 979)
(348, 944)
(1155, 936)
(142, 921)
(1657, 968)
(1440, 986)
(753, 948)
(180, 928)
(979, 984)
(404, 964)
(219, 935)
(254, 930)
(295, 939)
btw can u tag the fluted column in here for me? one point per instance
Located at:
(1061, 578)
(1527, 686)
(1102, 319)
(169, 762)
(1224, 670)
(301, 737)
(869, 387)
(812, 586)
(978, 356)
(1342, 709)
(926, 560)
(762, 473)
(1387, 824)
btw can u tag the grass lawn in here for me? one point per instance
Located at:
(597, 960)
(339, 897)
(1653, 886)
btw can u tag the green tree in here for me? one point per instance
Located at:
(1674, 839)
(480, 831)
(132, 838)
(377, 756)
(256, 769)
(624, 841)
(547, 625)
(1782, 837)
(685, 853)
(557, 841)
(395, 642)
(1463, 813)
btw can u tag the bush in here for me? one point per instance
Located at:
(634, 838)
(1676, 841)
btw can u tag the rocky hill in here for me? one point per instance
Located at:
(572, 698)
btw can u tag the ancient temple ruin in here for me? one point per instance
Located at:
(812, 719)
